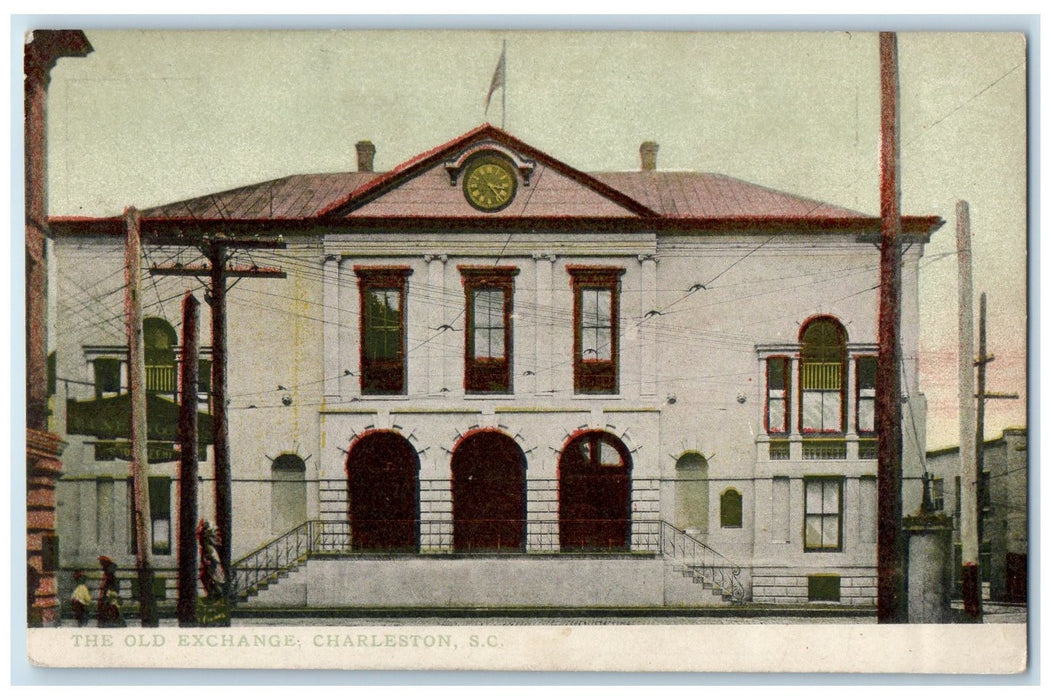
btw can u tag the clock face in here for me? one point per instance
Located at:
(489, 184)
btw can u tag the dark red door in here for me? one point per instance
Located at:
(384, 494)
(489, 494)
(594, 494)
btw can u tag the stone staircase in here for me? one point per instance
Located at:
(313, 565)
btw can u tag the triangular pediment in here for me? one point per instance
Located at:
(437, 184)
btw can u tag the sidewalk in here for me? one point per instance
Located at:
(993, 613)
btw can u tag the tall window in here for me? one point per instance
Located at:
(159, 341)
(777, 394)
(489, 345)
(596, 316)
(382, 329)
(866, 369)
(160, 533)
(823, 508)
(822, 368)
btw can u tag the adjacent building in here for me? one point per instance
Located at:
(490, 378)
(1003, 510)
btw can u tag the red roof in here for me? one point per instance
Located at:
(665, 198)
(709, 195)
(292, 197)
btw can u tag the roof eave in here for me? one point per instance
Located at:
(865, 229)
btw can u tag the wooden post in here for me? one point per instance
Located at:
(220, 429)
(979, 428)
(972, 584)
(891, 602)
(187, 554)
(140, 470)
(217, 253)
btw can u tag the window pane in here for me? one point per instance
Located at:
(775, 374)
(589, 344)
(588, 307)
(830, 411)
(813, 532)
(609, 455)
(830, 502)
(866, 415)
(392, 302)
(481, 342)
(813, 496)
(830, 532)
(812, 411)
(866, 372)
(603, 303)
(496, 343)
(161, 535)
(603, 347)
(382, 324)
(777, 415)
(488, 308)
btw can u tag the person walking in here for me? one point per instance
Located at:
(108, 613)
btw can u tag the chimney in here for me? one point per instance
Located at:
(366, 152)
(648, 153)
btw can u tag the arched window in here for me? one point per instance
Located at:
(288, 493)
(730, 508)
(383, 488)
(823, 365)
(489, 493)
(594, 493)
(691, 492)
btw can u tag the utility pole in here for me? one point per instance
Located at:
(891, 603)
(979, 433)
(972, 584)
(187, 602)
(140, 471)
(217, 249)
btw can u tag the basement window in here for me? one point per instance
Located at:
(823, 588)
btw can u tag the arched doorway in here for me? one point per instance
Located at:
(288, 493)
(594, 493)
(383, 488)
(489, 494)
(691, 493)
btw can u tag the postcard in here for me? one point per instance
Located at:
(527, 350)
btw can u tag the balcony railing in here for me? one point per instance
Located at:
(822, 376)
(162, 379)
(824, 448)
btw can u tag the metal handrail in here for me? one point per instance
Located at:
(276, 556)
(703, 561)
(264, 564)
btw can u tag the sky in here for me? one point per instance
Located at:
(157, 116)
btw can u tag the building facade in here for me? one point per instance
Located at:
(523, 384)
(1003, 502)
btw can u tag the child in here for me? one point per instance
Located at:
(81, 598)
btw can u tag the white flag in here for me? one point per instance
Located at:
(498, 78)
